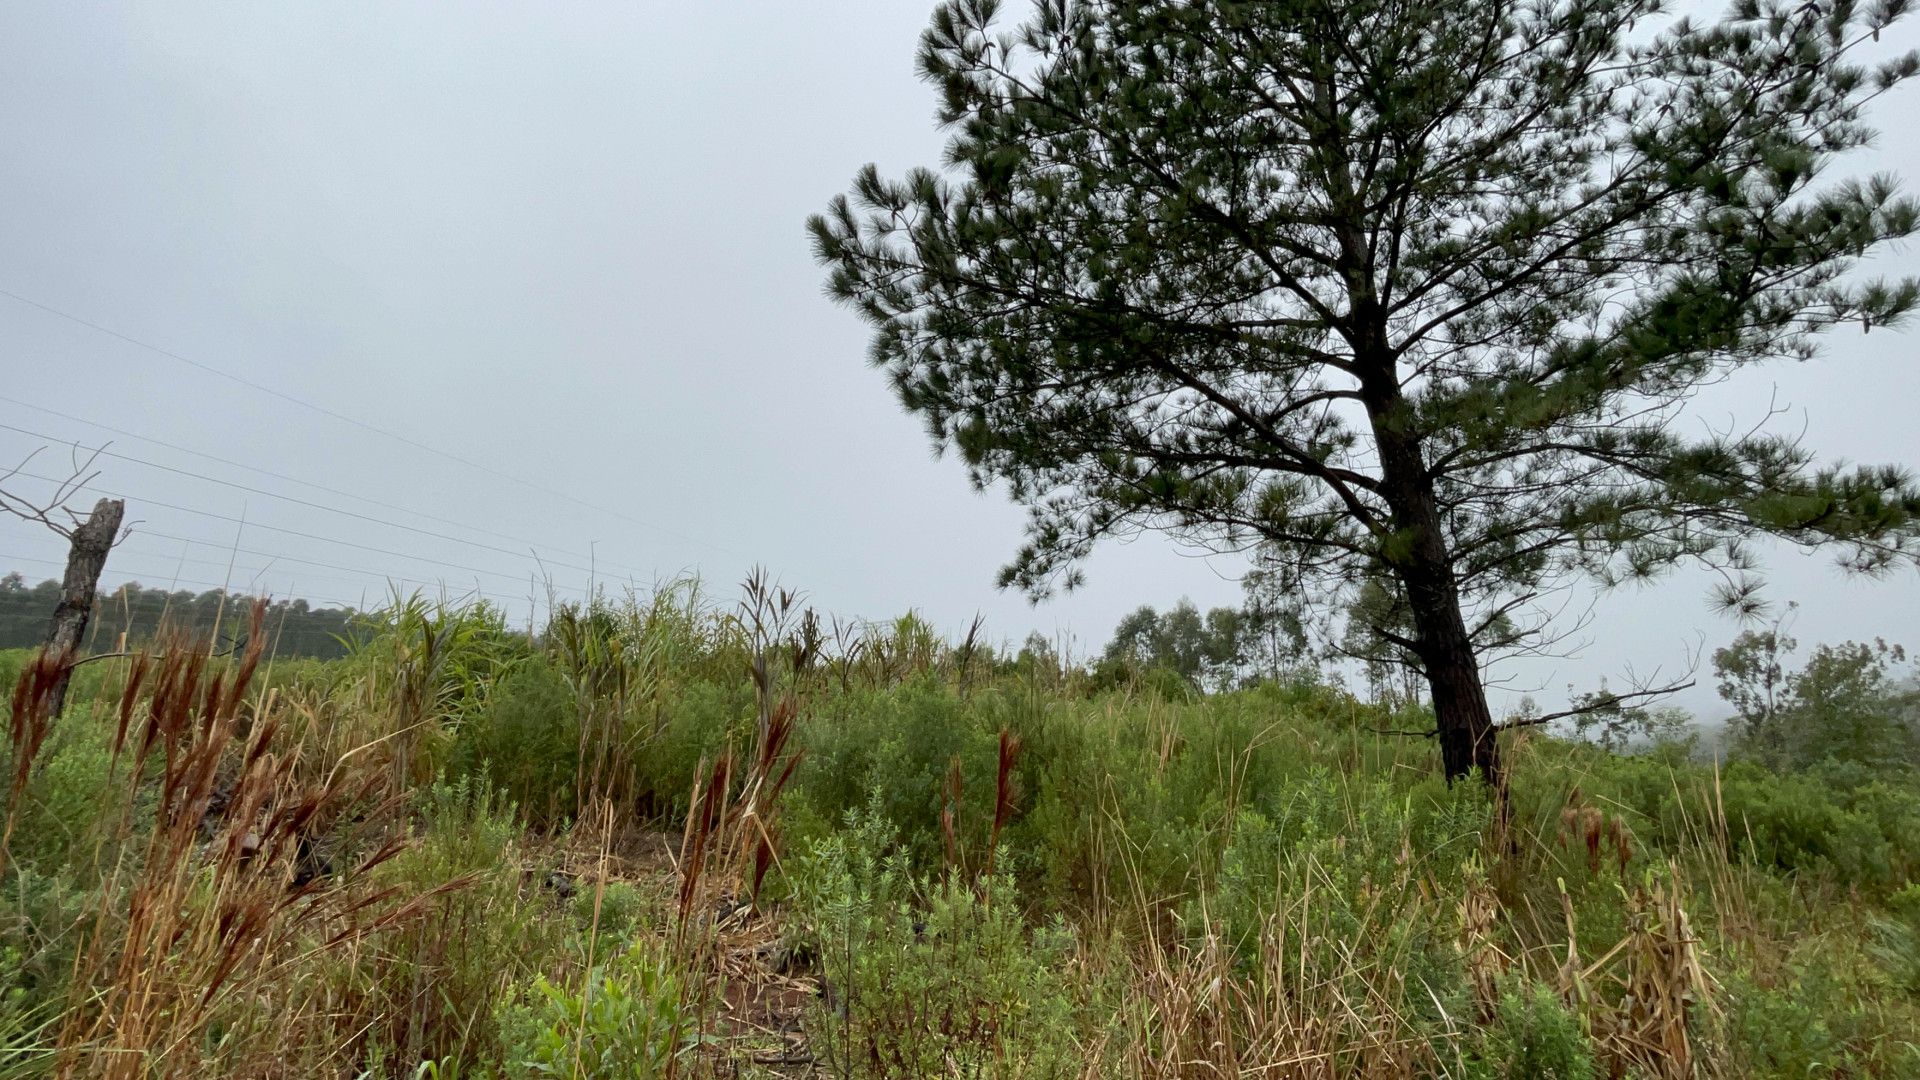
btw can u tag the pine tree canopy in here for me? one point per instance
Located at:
(1409, 290)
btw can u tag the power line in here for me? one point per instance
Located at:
(254, 574)
(103, 452)
(287, 479)
(123, 551)
(175, 579)
(276, 557)
(291, 532)
(323, 410)
(344, 418)
(273, 558)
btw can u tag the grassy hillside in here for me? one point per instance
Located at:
(667, 839)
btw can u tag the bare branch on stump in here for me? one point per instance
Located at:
(89, 540)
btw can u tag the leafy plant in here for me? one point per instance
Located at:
(1536, 1037)
(927, 976)
(524, 740)
(626, 1022)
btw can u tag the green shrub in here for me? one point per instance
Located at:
(1780, 1032)
(896, 746)
(628, 1021)
(41, 922)
(625, 913)
(71, 796)
(1367, 861)
(1803, 822)
(697, 721)
(931, 978)
(1536, 1037)
(524, 740)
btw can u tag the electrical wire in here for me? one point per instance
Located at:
(244, 523)
(291, 480)
(275, 557)
(255, 573)
(344, 418)
(103, 452)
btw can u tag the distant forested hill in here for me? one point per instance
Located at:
(137, 611)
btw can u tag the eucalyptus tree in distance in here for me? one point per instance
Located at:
(1395, 289)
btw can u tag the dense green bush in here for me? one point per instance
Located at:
(524, 740)
(1360, 845)
(1868, 835)
(70, 797)
(697, 722)
(42, 918)
(896, 746)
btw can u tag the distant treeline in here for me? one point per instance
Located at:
(296, 629)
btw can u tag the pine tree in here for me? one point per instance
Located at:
(1402, 290)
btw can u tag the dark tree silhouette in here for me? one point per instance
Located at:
(1404, 291)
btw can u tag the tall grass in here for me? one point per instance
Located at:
(677, 839)
(207, 893)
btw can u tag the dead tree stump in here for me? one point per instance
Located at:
(87, 557)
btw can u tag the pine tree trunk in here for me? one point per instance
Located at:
(1468, 740)
(85, 560)
(1424, 566)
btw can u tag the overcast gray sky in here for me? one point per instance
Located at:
(564, 243)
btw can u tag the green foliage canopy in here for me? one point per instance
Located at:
(1392, 289)
(1849, 702)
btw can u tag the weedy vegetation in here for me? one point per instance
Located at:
(1409, 302)
(667, 837)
